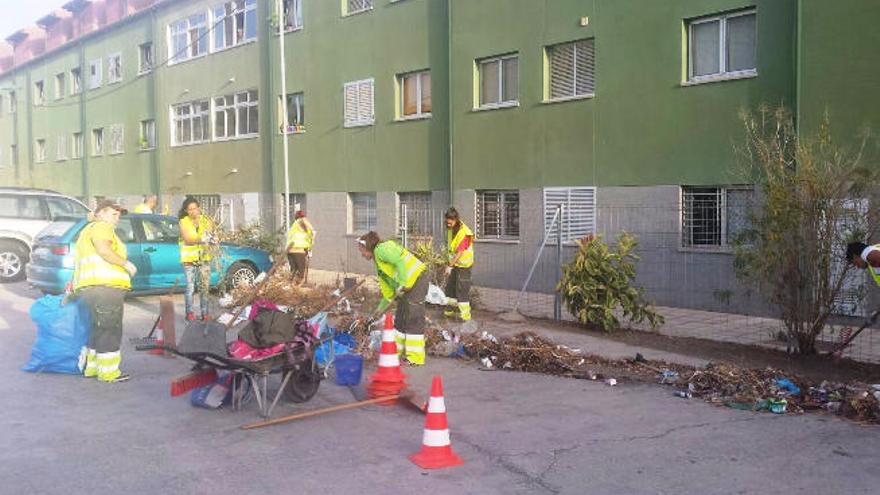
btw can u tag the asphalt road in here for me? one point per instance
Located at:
(517, 432)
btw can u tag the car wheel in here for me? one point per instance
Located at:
(13, 257)
(240, 274)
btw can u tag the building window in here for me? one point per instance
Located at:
(295, 106)
(357, 6)
(236, 115)
(13, 155)
(499, 81)
(187, 38)
(293, 16)
(116, 136)
(145, 58)
(294, 202)
(59, 86)
(98, 141)
(13, 103)
(76, 145)
(148, 134)
(498, 214)
(210, 204)
(235, 23)
(96, 77)
(114, 68)
(190, 122)
(39, 93)
(61, 148)
(40, 151)
(363, 212)
(358, 103)
(578, 212)
(571, 69)
(722, 46)
(712, 217)
(415, 95)
(75, 81)
(415, 214)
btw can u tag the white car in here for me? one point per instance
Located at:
(23, 214)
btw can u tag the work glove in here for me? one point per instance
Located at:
(130, 268)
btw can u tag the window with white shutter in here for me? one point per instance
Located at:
(578, 212)
(358, 103)
(61, 148)
(114, 68)
(40, 151)
(357, 6)
(572, 69)
(96, 75)
(116, 135)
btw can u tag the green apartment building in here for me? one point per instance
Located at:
(625, 111)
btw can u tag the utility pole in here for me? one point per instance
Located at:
(279, 11)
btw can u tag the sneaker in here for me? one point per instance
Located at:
(123, 377)
(206, 318)
(190, 317)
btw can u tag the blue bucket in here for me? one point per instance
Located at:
(348, 369)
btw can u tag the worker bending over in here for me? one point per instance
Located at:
(460, 253)
(101, 276)
(196, 237)
(148, 205)
(299, 246)
(865, 256)
(403, 277)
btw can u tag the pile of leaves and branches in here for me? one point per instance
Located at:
(598, 284)
(252, 235)
(813, 197)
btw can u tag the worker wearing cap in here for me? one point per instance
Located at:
(101, 277)
(148, 205)
(460, 253)
(299, 245)
(196, 236)
(403, 277)
(865, 256)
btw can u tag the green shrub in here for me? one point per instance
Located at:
(597, 285)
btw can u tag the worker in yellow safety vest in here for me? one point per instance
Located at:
(300, 238)
(403, 277)
(865, 256)
(148, 205)
(101, 277)
(460, 253)
(197, 235)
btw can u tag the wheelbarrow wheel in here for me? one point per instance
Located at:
(303, 384)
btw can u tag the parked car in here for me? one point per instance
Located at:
(152, 246)
(23, 214)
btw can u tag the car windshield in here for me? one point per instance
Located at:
(57, 228)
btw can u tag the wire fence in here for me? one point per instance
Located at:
(694, 286)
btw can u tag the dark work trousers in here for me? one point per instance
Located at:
(105, 306)
(410, 315)
(458, 285)
(297, 263)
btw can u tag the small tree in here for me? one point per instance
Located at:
(811, 203)
(597, 285)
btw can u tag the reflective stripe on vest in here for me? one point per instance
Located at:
(91, 269)
(191, 253)
(142, 208)
(388, 273)
(298, 237)
(467, 256)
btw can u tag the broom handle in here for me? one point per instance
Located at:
(318, 412)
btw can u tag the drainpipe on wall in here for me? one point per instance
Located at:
(798, 48)
(449, 86)
(28, 106)
(83, 124)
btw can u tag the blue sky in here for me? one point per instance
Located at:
(25, 13)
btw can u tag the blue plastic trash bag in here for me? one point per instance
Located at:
(62, 333)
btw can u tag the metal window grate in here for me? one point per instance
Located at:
(714, 216)
(578, 214)
(363, 212)
(415, 214)
(209, 204)
(498, 214)
(355, 6)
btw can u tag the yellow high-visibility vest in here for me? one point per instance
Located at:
(389, 256)
(142, 208)
(467, 256)
(873, 271)
(192, 253)
(298, 237)
(90, 269)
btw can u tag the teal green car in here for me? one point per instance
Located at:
(152, 246)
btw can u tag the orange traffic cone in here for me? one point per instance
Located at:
(436, 448)
(389, 363)
(160, 339)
